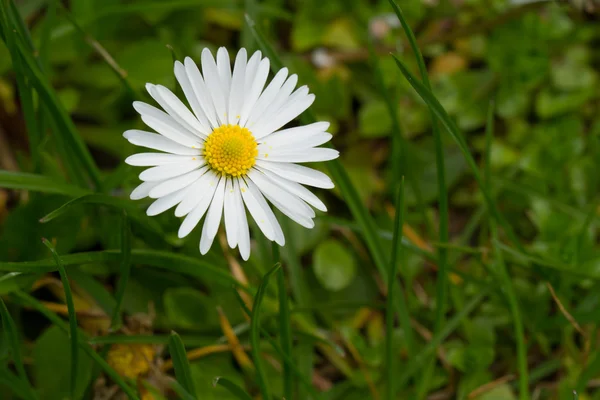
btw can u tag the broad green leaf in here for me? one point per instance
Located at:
(188, 308)
(333, 265)
(53, 382)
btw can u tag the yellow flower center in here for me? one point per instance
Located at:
(230, 150)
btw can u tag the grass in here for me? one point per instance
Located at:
(477, 279)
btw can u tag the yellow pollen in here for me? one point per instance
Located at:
(230, 150)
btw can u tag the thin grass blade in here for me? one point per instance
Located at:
(390, 367)
(442, 276)
(181, 363)
(72, 316)
(10, 333)
(232, 388)
(457, 135)
(38, 183)
(255, 333)
(285, 334)
(124, 270)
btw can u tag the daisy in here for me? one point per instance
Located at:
(230, 153)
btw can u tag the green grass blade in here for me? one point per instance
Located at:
(124, 270)
(451, 325)
(181, 363)
(285, 333)
(232, 388)
(72, 315)
(10, 333)
(442, 275)
(454, 131)
(507, 281)
(181, 392)
(21, 389)
(399, 152)
(255, 333)
(306, 382)
(176, 263)
(389, 309)
(64, 131)
(114, 376)
(16, 280)
(349, 192)
(96, 46)
(38, 183)
(516, 315)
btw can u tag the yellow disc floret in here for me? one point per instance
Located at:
(230, 150)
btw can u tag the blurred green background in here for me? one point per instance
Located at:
(538, 61)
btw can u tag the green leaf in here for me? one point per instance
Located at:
(232, 388)
(333, 265)
(38, 183)
(188, 308)
(374, 120)
(52, 382)
(181, 363)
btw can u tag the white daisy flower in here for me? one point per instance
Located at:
(229, 153)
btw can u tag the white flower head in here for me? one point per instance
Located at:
(229, 153)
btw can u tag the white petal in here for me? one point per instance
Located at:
(201, 91)
(176, 109)
(279, 237)
(143, 190)
(298, 173)
(164, 203)
(158, 142)
(203, 187)
(196, 214)
(152, 159)
(266, 98)
(224, 70)
(243, 238)
(166, 125)
(259, 209)
(281, 99)
(213, 218)
(289, 204)
(300, 156)
(168, 171)
(254, 87)
(213, 83)
(230, 214)
(284, 115)
(190, 95)
(251, 69)
(172, 185)
(296, 189)
(296, 135)
(236, 94)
